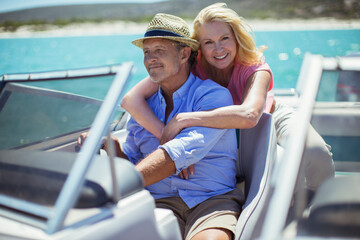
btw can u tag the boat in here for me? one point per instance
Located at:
(52, 189)
(333, 211)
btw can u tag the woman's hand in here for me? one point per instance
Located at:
(172, 128)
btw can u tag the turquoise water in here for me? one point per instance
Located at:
(285, 52)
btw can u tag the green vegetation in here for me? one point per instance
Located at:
(41, 25)
(11, 26)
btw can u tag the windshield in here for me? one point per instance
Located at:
(339, 86)
(33, 112)
(30, 114)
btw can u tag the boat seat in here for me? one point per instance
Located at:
(38, 177)
(335, 209)
(257, 154)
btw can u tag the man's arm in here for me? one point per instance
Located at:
(155, 167)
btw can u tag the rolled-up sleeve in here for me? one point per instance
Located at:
(192, 145)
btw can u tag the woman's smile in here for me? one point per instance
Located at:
(221, 57)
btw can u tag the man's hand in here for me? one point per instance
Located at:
(118, 152)
(81, 139)
(184, 174)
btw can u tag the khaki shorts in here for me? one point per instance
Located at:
(216, 212)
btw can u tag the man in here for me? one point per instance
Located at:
(207, 203)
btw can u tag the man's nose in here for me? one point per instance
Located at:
(150, 57)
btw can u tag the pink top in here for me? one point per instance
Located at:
(238, 81)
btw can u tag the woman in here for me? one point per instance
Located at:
(228, 55)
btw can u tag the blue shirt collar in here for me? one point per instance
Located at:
(182, 91)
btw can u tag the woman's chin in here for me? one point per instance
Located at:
(221, 65)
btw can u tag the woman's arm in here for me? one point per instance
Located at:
(135, 103)
(245, 115)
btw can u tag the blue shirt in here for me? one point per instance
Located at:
(212, 151)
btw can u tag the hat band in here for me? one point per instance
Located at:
(161, 33)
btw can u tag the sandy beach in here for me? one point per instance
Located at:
(122, 27)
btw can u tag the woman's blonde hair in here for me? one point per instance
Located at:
(247, 52)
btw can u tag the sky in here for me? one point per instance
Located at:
(12, 5)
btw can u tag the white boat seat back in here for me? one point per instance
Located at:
(257, 154)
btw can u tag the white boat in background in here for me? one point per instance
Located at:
(51, 190)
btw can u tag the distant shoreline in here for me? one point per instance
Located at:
(122, 27)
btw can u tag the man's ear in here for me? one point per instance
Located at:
(185, 53)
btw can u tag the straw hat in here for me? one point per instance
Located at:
(169, 27)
